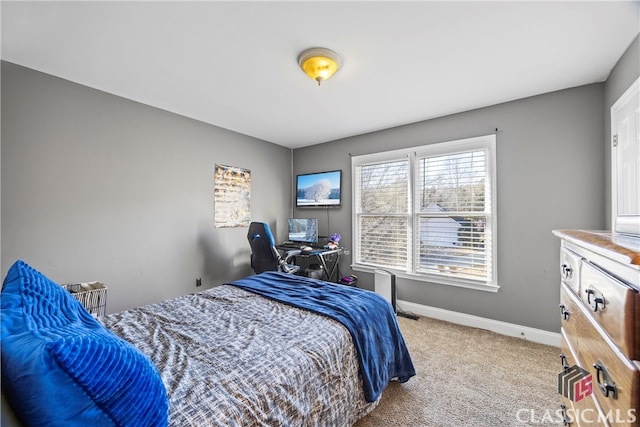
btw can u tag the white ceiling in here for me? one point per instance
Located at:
(234, 64)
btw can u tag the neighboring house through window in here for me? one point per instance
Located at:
(428, 213)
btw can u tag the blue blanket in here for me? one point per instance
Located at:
(368, 316)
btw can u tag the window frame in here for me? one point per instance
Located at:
(413, 155)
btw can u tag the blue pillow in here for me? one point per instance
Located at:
(61, 367)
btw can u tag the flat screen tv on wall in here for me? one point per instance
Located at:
(319, 190)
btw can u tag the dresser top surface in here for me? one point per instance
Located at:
(624, 249)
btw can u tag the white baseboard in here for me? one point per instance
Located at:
(504, 328)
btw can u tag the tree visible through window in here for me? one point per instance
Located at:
(428, 211)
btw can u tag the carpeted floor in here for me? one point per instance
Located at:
(470, 377)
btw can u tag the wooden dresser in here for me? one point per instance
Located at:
(600, 312)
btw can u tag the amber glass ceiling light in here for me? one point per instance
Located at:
(319, 63)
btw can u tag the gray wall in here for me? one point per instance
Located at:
(96, 187)
(550, 176)
(622, 76)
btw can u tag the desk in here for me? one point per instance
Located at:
(324, 256)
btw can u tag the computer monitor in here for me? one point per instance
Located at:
(303, 230)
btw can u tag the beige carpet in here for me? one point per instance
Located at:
(470, 377)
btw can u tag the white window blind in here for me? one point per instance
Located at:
(452, 208)
(428, 211)
(382, 194)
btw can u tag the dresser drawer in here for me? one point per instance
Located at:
(572, 319)
(597, 355)
(584, 412)
(570, 263)
(611, 303)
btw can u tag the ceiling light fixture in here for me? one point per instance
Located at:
(319, 63)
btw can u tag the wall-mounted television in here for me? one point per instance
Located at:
(319, 190)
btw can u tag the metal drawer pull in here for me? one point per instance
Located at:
(607, 386)
(565, 420)
(564, 361)
(565, 313)
(596, 300)
(567, 271)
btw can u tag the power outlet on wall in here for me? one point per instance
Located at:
(199, 281)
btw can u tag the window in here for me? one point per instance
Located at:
(428, 213)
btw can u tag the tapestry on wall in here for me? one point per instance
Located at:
(232, 196)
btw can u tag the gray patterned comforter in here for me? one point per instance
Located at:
(228, 357)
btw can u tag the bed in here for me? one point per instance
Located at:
(267, 350)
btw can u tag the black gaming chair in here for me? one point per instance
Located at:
(264, 255)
